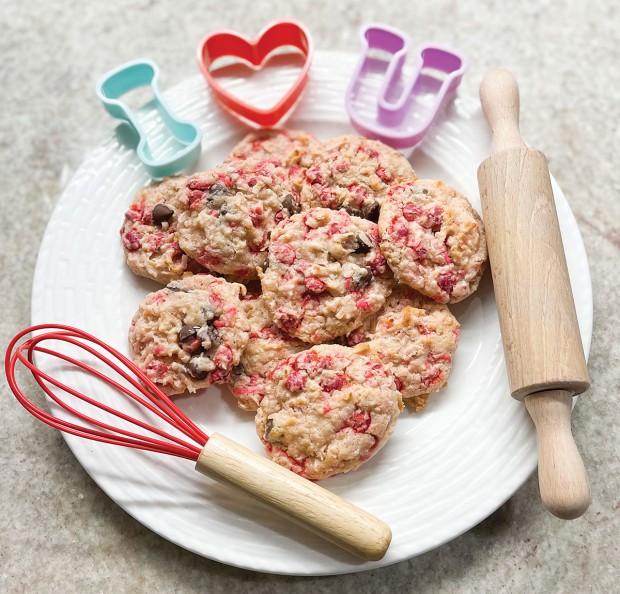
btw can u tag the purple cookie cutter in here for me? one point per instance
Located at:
(385, 105)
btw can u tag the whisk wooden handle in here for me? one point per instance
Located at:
(306, 503)
(543, 349)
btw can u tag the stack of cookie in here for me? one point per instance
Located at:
(310, 277)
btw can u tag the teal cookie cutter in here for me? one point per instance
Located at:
(139, 73)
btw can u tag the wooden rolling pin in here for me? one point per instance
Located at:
(542, 345)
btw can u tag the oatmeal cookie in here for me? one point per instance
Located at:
(190, 334)
(326, 274)
(354, 173)
(149, 233)
(230, 212)
(327, 410)
(294, 149)
(433, 239)
(415, 338)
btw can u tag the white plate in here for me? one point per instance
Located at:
(443, 471)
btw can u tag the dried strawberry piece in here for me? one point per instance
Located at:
(435, 219)
(296, 381)
(223, 357)
(446, 282)
(157, 369)
(411, 212)
(363, 305)
(433, 379)
(314, 284)
(286, 320)
(330, 384)
(194, 199)
(359, 421)
(435, 357)
(383, 175)
(133, 215)
(400, 230)
(220, 376)
(131, 240)
(284, 253)
(420, 252)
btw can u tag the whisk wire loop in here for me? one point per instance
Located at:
(153, 399)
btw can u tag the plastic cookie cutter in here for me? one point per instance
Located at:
(383, 103)
(255, 53)
(187, 135)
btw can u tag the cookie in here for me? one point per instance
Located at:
(293, 148)
(415, 338)
(327, 410)
(190, 334)
(326, 274)
(230, 211)
(433, 239)
(267, 346)
(354, 173)
(149, 233)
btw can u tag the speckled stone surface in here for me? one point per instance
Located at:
(58, 531)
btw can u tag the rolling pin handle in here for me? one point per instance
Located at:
(562, 477)
(499, 96)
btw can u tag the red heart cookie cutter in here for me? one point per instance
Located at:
(255, 52)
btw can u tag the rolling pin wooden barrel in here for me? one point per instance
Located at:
(542, 345)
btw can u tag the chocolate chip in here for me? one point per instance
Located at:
(361, 278)
(354, 211)
(199, 366)
(357, 244)
(218, 189)
(424, 191)
(187, 332)
(238, 369)
(209, 334)
(289, 203)
(268, 428)
(364, 244)
(161, 214)
(194, 369)
(371, 212)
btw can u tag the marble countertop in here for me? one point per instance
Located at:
(58, 531)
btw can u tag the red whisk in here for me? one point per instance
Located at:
(216, 456)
